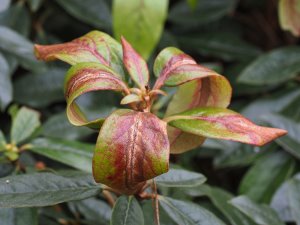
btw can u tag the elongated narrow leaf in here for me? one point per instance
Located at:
(93, 209)
(188, 213)
(127, 211)
(199, 86)
(17, 18)
(275, 67)
(148, 16)
(286, 201)
(280, 202)
(289, 16)
(19, 216)
(205, 12)
(19, 47)
(261, 214)
(132, 147)
(87, 77)
(225, 45)
(259, 184)
(290, 142)
(93, 12)
(220, 198)
(223, 124)
(43, 189)
(24, 124)
(95, 46)
(58, 126)
(5, 83)
(180, 178)
(71, 153)
(135, 65)
(40, 89)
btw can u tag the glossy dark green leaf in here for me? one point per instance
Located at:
(17, 18)
(149, 216)
(180, 178)
(205, 12)
(232, 154)
(58, 126)
(20, 47)
(5, 83)
(291, 141)
(43, 189)
(188, 213)
(280, 203)
(149, 19)
(71, 153)
(93, 12)
(259, 184)
(261, 214)
(270, 104)
(24, 124)
(127, 211)
(286, 201)
(222, 45)
(220, 198)
(95, 211)
(275, 67)
(40, 89)
(294, 199)
(19, 216)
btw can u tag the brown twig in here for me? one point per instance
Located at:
(110, 199)
(155, 204)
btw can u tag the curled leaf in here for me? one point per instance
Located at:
(95, 46)
(132, 147)
(199, 86)
(223, 124)
(87, 77)
(135, 65)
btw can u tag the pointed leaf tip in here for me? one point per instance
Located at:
(224, 124)
(135, 64)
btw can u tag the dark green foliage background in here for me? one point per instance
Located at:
(240, 39)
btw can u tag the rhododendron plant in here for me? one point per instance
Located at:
(133, 145)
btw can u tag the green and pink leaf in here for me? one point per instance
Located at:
(95, 46)
(132, 147)
(135, 64)
(223, 124)
(199, 86)
(87, 77)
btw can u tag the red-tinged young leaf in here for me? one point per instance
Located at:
(87, 77)
(135, 64)
(95, 46)
(199, 86)
(223, 124)
(132, 147)
(167, 60)
(289, 15)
